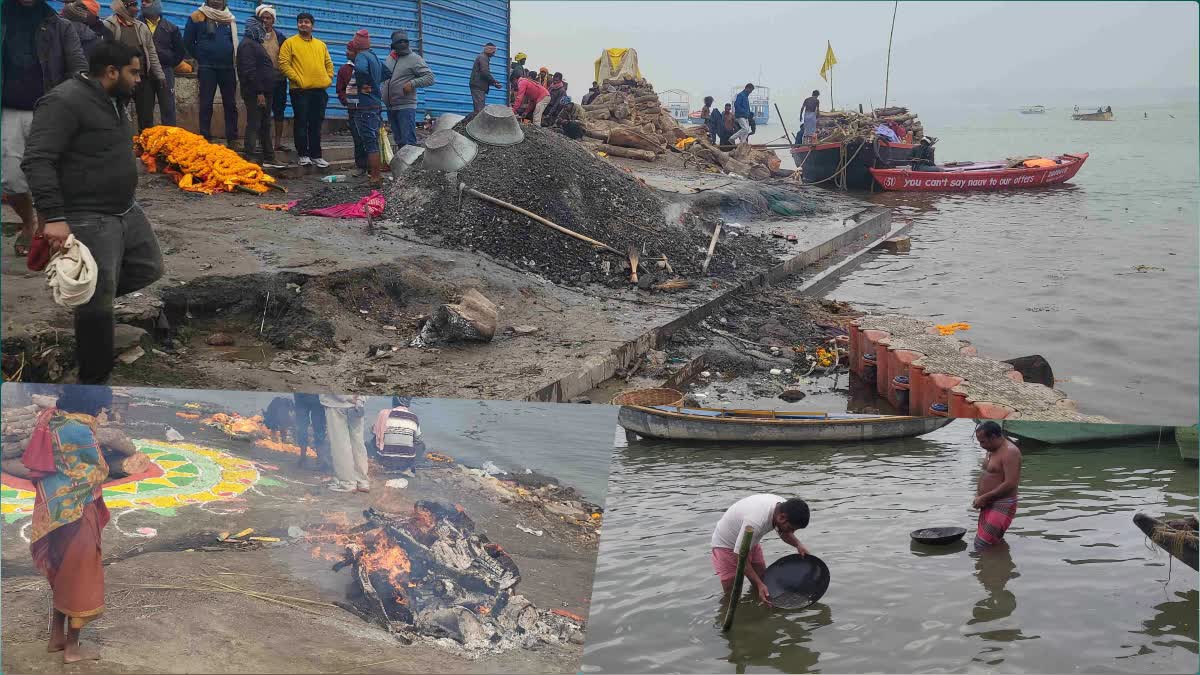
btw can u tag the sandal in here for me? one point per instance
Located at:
(21, 246)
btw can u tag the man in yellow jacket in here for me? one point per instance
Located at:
(305, 62)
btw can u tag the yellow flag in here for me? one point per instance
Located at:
(830, 60)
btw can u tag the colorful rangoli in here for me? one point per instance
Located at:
(180, 474)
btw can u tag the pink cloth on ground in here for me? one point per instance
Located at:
(724, 561)
(374, 203)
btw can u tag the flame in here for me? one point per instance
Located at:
(423, 520)
(484, 610)
(235, 425)
(277, 447)
(187, 416)
(438, 457)
(388, 559)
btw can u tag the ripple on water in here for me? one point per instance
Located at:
(1046, 604)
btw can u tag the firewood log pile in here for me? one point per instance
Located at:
(840, 125)
(628, 120)
(16, 430)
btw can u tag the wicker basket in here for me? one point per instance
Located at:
(649, 397)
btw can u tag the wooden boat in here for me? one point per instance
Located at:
(1033, 110)
(1188, 439)
(973, 176)
(848, 164)
(1105, 115)
(1176, 537)
(1068, 433)
(767, 426)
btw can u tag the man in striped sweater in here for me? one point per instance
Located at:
(398, 437)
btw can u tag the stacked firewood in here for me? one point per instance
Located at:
(840, 125)
(628, 120)
(17, 428)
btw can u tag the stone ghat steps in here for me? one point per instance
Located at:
(924, 372)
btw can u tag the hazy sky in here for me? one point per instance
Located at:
(1009, 53)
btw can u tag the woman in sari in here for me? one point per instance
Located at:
(68, 472)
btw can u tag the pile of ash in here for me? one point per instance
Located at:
(563, 182)
(429, 576)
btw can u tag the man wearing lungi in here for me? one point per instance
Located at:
(997, 494)
(763, 513)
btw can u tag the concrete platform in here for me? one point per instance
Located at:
(916, 368)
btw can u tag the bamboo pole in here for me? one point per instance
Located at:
(488, 198)
(785, 131)
(888, 73)
(736, 595)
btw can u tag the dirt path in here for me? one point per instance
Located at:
(335, 293)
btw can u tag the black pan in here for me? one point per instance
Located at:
(795, 581)
(938, 536)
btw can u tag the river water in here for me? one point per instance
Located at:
(1076, 590)
(1054, 271)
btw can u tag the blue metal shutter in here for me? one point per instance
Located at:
(453, 32)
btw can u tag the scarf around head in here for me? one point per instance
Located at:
(123, 15)
(254, 30)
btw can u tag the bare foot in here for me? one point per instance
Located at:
(56, 645)
(78, 652)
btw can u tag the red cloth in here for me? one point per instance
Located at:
(343, 80)
(373, 203)
(724, 562)
(39, 454)
(70, 557)
(528, 93)
(994, 521)
(39, 253)
(361, 41)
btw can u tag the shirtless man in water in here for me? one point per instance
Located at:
(996, 497)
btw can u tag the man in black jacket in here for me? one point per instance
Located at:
(40, 50)
(481, 77)
(82, 171)
(168, 42)
(256, 72)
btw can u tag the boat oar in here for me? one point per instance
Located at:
(743, 556)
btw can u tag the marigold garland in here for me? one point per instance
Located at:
(196, 164)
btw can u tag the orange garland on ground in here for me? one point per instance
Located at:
(198, 165)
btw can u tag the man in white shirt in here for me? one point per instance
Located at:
(763, 513)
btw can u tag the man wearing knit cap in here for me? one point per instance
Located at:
(481, 77)
(369, 77)
(256, 72)
(272, 39)
(305, 61)
(84, 16)
(409, 73)
(168, 42)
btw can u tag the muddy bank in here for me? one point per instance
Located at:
(314, 304)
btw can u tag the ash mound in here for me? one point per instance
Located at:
(565, 183)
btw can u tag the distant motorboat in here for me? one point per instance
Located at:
(1033, 110)
(1101, 115)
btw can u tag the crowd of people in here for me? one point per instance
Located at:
(541, 97)
(333, 427)
(734, 123)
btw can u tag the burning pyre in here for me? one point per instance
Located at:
(245, 428)
(429, 575)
